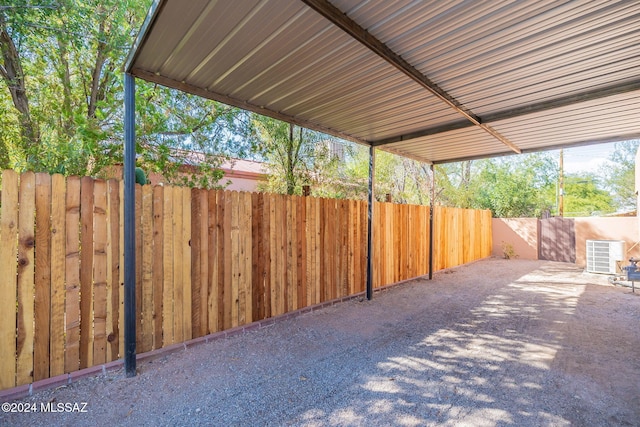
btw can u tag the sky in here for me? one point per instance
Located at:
(585, 158)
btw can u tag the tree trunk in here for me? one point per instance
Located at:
(12, 73)
(65, 79)
(97, 92)
(290, 176)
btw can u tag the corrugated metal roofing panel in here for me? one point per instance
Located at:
(457, 144)
(573, 126)
(501, 59)
(479, 51)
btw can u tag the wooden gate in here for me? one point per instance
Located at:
(557, 239)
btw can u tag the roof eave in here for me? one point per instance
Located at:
(154, 10)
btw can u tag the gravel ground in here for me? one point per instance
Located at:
(493, 343)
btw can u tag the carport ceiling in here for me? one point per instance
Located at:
(433, 80)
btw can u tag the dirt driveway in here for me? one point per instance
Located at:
(494, 343)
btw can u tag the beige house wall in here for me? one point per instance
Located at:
(238, 180)
(522, 235)
(595, 228)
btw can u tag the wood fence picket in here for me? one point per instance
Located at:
(206, 260)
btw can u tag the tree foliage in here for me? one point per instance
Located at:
(61, 97)
(583, 197)
(403, 180)
(516, 186)
(176, 129)
(296, 156)
(66, 83)
(619, 175)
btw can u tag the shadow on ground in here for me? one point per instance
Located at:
(494, 343)
(548, 348)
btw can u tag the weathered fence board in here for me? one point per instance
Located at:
(26, 243)
(113, 271)
(42, 279)
(167, 268)
(58, 253)
(72, 275)
(100, 273)
(146, 314)
(206, 260)
(86, 274)
(8, 268)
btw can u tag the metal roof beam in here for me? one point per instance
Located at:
(517, 112)
(617, 138)
(563, 102)
(423, 132)
(204, 93)
(342, 21)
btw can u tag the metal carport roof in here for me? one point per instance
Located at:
(433, 80)
(436, 80)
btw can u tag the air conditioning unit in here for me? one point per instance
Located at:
(605, 256)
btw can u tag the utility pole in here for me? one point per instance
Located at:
(561, 186)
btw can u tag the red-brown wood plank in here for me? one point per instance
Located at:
(203, 226)
(301, 218)
(139, 254)
(310, 249)
(26, 243)
(42, 277)
(222, 305)
(168, 337)
(187, 329)
(196, 239)
(290, 284)
(86, 272)
(257, 281)
(235, 258)
(72, 276)
(178, 286)
(227, 257)
(157, 207)
(247, 257)
(100, 272)
(57, 331)
(212, 257)
(113, 308)
(344, 247)
(267, 223)
(146, 285)
(8, 268)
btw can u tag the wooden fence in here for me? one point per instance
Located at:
(206, 261)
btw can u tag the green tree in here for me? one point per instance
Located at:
(511, 186)
(62, 94)
(405, 180)
(516, 186)
(296, 156)
(456, 183)
(619, 175)
(62, 67)
(176, 129)
(582, 197)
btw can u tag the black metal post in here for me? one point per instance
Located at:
(129, 226)
(372, 163)
(431, 205)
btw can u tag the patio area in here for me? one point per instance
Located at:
(495, 342)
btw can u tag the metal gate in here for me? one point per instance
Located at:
(557, 239)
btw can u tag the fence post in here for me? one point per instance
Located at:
(129, 227)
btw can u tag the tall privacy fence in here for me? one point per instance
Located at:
(206, 261)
